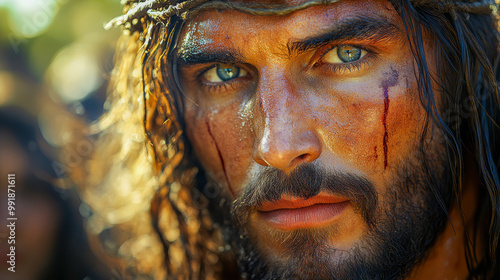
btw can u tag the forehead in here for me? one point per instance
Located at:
(220, 27)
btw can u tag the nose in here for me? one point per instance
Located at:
(286, 135)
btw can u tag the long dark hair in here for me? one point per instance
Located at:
(467, 51)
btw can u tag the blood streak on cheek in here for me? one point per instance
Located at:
(220, 156)
(390, 82)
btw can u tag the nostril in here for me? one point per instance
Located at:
(286, 150)
(302, 157)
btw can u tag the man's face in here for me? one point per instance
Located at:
(311, 124)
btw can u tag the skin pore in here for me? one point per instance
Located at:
(332, 87)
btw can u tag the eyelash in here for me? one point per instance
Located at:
(217, 88)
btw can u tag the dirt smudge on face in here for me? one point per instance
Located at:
(392, 80)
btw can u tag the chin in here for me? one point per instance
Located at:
(388, 242)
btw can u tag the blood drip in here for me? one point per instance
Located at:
(220, 156)
(390, 82)
(384, 121)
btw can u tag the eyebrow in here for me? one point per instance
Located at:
(187, 56)
(361, 28)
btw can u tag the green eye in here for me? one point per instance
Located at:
(348, 53)
(227, 72)
(344, 54)
(223, 73)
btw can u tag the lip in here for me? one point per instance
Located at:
(290, 213)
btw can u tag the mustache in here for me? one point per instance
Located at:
(305, 181)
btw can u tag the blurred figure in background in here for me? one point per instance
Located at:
(50, 241)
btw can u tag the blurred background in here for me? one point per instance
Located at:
(56, 49)
(55, 60)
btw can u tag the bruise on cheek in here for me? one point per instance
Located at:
(220, 156)
(391, 81)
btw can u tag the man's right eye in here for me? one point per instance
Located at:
(223, 73)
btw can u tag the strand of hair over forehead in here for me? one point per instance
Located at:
(161, 10)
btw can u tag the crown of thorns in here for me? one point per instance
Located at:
(161, 10)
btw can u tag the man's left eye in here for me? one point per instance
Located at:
(223, 73)
(344, 54)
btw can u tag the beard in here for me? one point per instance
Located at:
(403, 222)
